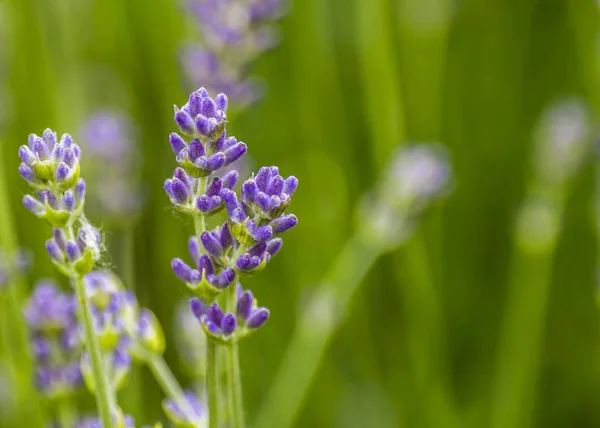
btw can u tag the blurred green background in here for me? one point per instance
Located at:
(351, 80)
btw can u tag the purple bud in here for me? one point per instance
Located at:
(225, 278)
(263, 233)
(54, 251)
(184, 121)
(231, 201)
(80, 191)
(26, 155)
(49, 138)
(27, 173)
(221, 102)
(258, 250)
(230, 179)
(214, 187)
(66, 140)
(216, 161)
(69, 200)
(264, 201)
(182, 176)
(196, 150)
(202, 124)
(244, 305)
(234, 153)
(226, 237)
(33, 205)
(62, 172)
(258, 318)
(211, 244)
(291, 184)
(229, 324)
(215, 314)
(40, 149)
(208, 107)
(276, 185)
(183, 271)
(198, 308)
(204, 204)
(73, 251)
(194, 249)
(177, 143)
(262, 178)
(274, 245)
(58, 154)
(249, 191)
(205, 264)
(229, 142)
(246, 262)
(212, 327)
(60, 238)
(283, 223)
(177, 191)
(195, 101)
(50, 199)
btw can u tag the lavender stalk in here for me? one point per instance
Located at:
(51, 167)
(243, 245)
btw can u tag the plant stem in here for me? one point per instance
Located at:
(236, 403)
(316, 326)
(104, 398)
(67, 413)
(167, 381)
(232, 362)
(212, 384)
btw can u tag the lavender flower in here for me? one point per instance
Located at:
(113, 170)
(234, 33)
(247, 241)
(228, 327)
(121, 421)
(183, 419)
(55, 340)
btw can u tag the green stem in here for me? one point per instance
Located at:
(232, 362)
(168, 383)
(104, 398)
(212, 384)
(316, 326)
(67, 413)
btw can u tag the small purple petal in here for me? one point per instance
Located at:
(196, 150)
(27, 173)
(26, 155)
(73, 251)
(276, 185)
(215, 314)
(230, 179)
(177, 143)
(225, 278)
(33, 205)
(249, 191)
(283, 223)
(214, 187)
(54, 251)
(194, 249)
(216, 161)
(221, 102)
(208, 107)
(291, 184)
(234, 153)
(69, 200)
(263, 233)
(211, 244)
(274, 245)
(184, 121)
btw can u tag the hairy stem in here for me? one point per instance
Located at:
(212, 384)
(104, 397)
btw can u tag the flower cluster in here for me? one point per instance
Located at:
(242, 245)
(123, 329)
(109, 140)
(11, 266)
(234, 34)
(51, 167)
(55, 341)
(416, 176)
(226, 327)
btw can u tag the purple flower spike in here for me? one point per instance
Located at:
(229, 324)
(258, 318)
